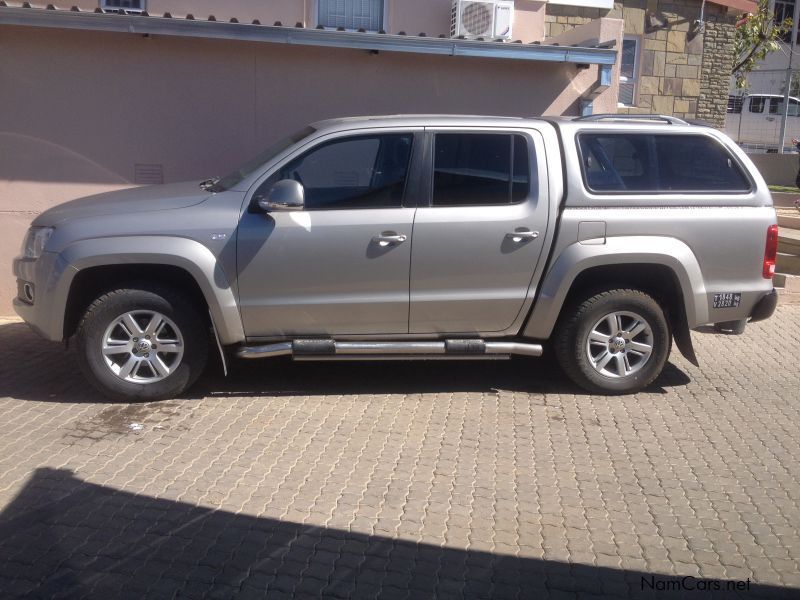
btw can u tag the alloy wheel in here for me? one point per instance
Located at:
(620, 344)
(142, 346)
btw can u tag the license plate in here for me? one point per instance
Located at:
(728, 300)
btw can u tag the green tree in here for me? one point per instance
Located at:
(757, 34)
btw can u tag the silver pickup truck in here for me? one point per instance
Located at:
(601, 239)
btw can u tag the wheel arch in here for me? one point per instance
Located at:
(90, 283)
(665, 268)
(98, 265)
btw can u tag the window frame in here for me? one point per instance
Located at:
(384, 18)
(634, 79)
(659, 193)
(105, 7)
(786, 11)
(408, 200)
(427, 180)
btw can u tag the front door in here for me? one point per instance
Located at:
(476, 246)
(340, 265)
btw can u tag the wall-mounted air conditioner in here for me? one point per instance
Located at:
(487, 19)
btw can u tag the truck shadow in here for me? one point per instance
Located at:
(285, 377)
(37, 370)
(68, 538)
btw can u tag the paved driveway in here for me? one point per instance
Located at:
(406, 480)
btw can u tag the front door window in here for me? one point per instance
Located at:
(356, 172)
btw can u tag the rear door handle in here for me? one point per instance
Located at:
(522, 235)
(389, 238)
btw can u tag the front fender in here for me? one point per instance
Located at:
(183, 253)
(622, 250)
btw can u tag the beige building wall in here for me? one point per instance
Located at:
(431, 17)
(81, 109)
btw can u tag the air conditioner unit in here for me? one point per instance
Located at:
(487, 19)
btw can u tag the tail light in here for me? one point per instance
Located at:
(770, 252)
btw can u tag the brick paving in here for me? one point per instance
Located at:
(406, 480)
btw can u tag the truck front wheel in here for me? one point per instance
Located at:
(142, 343)
(614, 342)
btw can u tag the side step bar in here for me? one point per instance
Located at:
(327, 349)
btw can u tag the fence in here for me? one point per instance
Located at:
(755, 116)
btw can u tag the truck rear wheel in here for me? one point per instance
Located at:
(142, 343)
(614, 342)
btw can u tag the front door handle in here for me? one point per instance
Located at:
(389, 238)
(522, 235)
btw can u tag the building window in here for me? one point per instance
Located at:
(629, 71)
(351, 14)
(784, 9)
(123, 5)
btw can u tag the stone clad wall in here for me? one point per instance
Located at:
(559, 18)
(715, 79)
(682, 71)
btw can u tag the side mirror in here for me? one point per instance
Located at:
(287, 194)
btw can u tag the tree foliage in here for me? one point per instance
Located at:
(757, 34)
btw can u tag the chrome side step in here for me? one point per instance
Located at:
(328, 349)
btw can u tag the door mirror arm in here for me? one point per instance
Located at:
(287, 194)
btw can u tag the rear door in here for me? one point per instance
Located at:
(479, 237)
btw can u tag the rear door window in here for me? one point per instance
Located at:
(480, 169)
(631, 162)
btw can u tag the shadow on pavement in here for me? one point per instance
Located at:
(48, 373)
(68, 538)
(283, 377)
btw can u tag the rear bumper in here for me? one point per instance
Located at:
(765, 307)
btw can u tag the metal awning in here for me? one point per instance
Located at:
(381, 42)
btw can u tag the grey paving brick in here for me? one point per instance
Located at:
(402, 480)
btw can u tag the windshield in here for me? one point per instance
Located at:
(231, 179)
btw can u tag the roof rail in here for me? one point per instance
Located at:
(612, 116)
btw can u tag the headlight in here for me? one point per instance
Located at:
(35, 241)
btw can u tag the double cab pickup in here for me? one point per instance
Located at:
(601, 239)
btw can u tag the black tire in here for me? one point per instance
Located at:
(106, 309)
(572, 341)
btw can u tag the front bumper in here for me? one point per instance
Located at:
(45, 314)
(765, 307)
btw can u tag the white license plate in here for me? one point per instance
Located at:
(728, 300)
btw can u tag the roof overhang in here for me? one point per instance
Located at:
(138, 24)
(745, 6)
